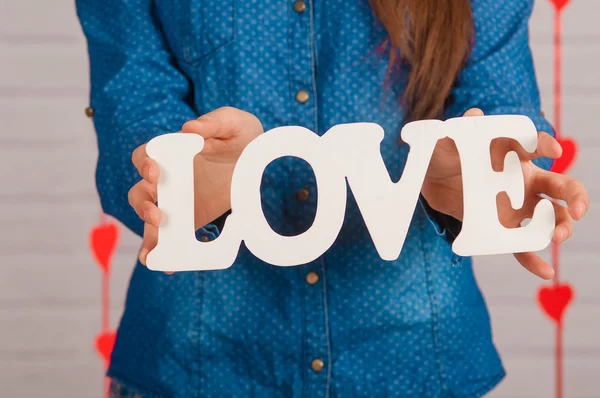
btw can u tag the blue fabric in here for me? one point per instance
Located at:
(414, 327)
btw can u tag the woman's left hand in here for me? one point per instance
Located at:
(442, 189)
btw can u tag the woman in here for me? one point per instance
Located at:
(348, 324)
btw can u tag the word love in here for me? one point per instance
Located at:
(347, 152)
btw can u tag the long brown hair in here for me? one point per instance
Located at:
(433, 38)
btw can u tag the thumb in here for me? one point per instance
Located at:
(473, 112)
(222, 123)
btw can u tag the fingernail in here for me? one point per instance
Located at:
(558, 149)
(153, 173)
(558, 233)
(149, 216)
(563, 234)
(156, 214)
(143, 255)
(580, 209)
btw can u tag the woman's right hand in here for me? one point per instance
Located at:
(226, 132)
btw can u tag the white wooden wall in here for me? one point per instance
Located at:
(50, 287)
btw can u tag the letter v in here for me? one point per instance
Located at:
(386, 207)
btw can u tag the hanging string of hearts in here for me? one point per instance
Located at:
(104, 237)
(555, 299)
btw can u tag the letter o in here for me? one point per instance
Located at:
(257, 234)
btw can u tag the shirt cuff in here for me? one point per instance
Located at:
(543, 125)
(212, 231)
(207, 233)
(444, 225)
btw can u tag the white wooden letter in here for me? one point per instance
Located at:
(258, 236)
(177, 248)
(386, 207)
(482, 232)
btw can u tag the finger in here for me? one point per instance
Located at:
(149, 170)
(142, 198)
(564, 224)
(151, 213)
(138, 155)
(473, 112)
(146, 166)
(547, 146)
(222, 123)
(562, 187)
(149, 243)
(534, 264)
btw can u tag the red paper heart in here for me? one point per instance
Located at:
(555, 299)
(105, 342)
(559, 4)
(562, 164)
(103, 241)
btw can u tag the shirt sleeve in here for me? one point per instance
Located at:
(499, 77)
(137, 93)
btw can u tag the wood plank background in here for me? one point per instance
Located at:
(50, 287)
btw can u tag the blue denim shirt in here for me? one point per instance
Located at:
(414, 327)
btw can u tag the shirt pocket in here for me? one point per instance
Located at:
(206, 26)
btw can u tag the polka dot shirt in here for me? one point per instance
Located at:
(347, 324)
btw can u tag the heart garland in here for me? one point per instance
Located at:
(104, 343)
(555, 299)
(559, 4)
(103, 242)
(103, 239)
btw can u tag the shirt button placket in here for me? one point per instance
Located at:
(304, 106)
